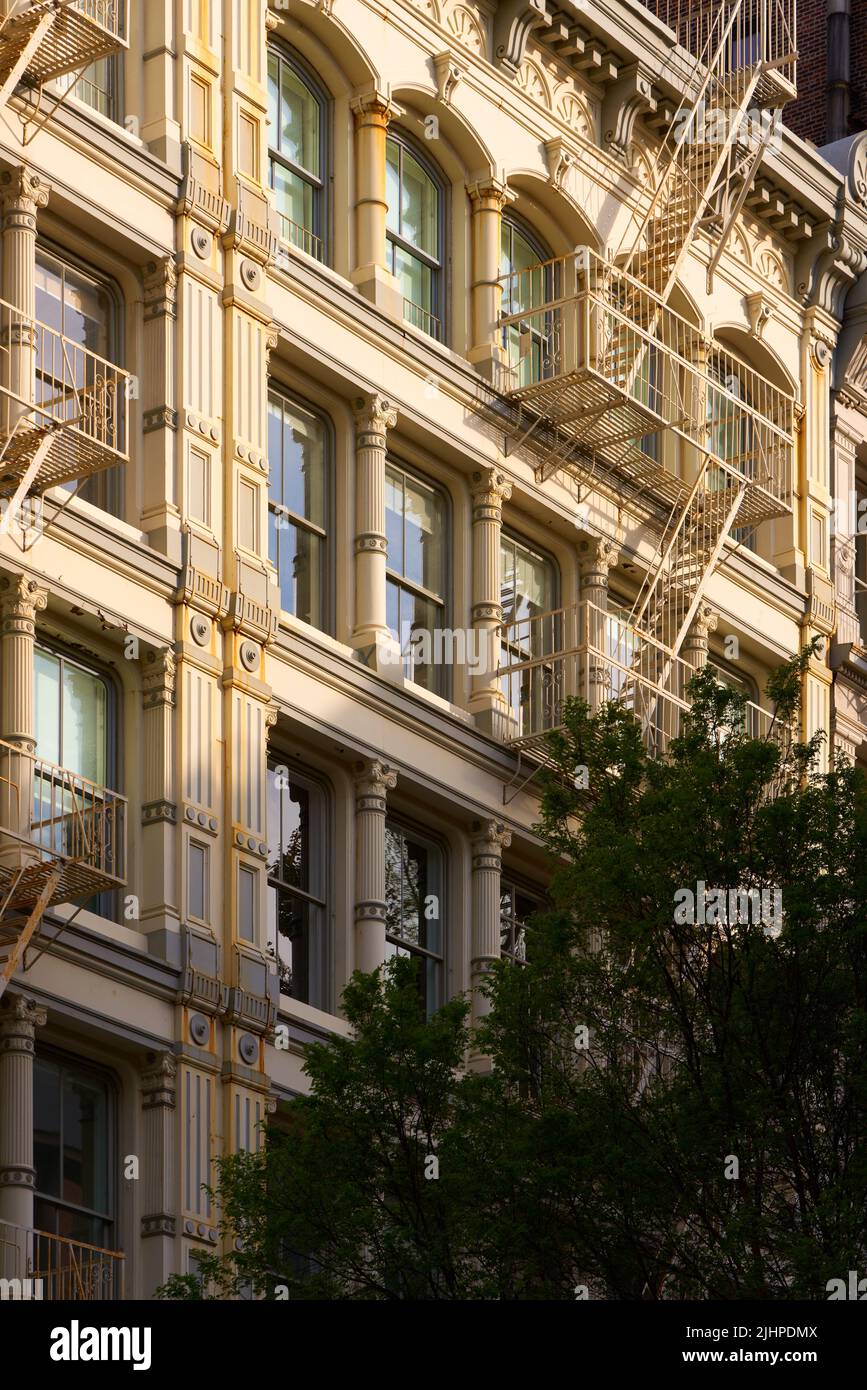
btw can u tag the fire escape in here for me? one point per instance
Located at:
(63, 418)
(606, 381)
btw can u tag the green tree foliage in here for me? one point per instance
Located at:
(708, 1141)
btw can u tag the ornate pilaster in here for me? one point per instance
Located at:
(160, 503)
(22, 195)
(489, 489)
(159, 813)
(20, 600)
(373, 781)
(373, 110)
(488, 197)
(695, 645)
(374, 417)
(19, 1019)
(158, 1168)
(490, 838)
(597, 556)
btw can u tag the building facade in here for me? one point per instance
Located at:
(374, 376)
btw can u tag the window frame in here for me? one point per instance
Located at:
(444, 684)
(112, 722)
(517, 884)
(69, 1062)
(321, 840)
(321, 184)
(516, 223)
(411, 830)
(326, 535)
(438, 305)
(516, 652)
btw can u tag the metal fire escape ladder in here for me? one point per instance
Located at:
(17, 930)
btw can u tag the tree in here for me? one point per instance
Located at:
(678, 1095)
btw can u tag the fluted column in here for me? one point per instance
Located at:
(20, 600)
(596, 557)
(19, 1019)
(22, 194)
(373, 110)
(489, 489)
(488, 197)
(696, 642)
(159, 812)
(375, 416)
(374, 779)
(159, 1198)
(490, 838)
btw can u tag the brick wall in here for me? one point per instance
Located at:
(808, 115)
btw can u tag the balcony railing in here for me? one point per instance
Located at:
(47, 380)
(54, 1268)
(301, 237)
(597, 367)
(51, 817)
(759, 31)
(586, 653)
(422, 319)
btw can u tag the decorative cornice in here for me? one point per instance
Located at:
(514, 22)
(158, 679)
(19, 1018)
(374, 102)
(625, 100)
(597, 554)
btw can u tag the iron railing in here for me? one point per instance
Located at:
(422, 319)
(583, 652)
(55, 1268)
(756, 31)
(598, 357)
(301, 237)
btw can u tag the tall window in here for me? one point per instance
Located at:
(414, 234)
(85, 310)
(528, 289)
(297, 152)
(859, 542)
(416, 527)
(73, 1124)
(517, 906)
(414, 906)
(297, 884)
(528, 584)
(732, 434)
(299, 457)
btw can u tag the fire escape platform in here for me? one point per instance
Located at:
(23, 886)
(80, 34)
(73, 455)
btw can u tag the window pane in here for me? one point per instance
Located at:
(85, 1143)
(47, 677)
(84, 723)
(394, 518)
(527, 582)
(304, 454)
(46, 1126)
(392, 185)
(419, 207)
(299, 125)
(425, 537)
(415, 278)
(273, 94)
(294, 196)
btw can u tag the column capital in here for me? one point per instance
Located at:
(23, 192)
(490, 838)
(373, 104)
(705, 621)
(489, 488)
(373, 779)
(159, 1081)
(160, 281)
(19, 1019)
(158, 679)
(598, 553)
(486, 190)
(20, 600)
(375, 415)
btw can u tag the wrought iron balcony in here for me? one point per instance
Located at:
(56, 394)
(754, 33)
(588, 654)
(49, 1267)
(46, 39)
(55, 822)
(599, 370)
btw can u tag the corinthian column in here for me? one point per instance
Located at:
(696, 643)
(374, 780)
(372, 111)
(488, 197)
(490, 838)
(19, 1019)
(489, 490)
(22, 194)
(375, 416)
(596, 556)
(20, 600)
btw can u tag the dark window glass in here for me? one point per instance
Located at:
(296, 112)
(414, 907)
(528, 583)
(517, 906)
(415, 524)
(72, 1146)
(297, 878)
(414, 235)
(299, 458)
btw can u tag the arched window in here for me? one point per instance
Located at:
(299, 459)
(416, 525)
(733, 434)
(415, 233)
(298, 879)
(297, 111)
(523, 258)
(414, 907)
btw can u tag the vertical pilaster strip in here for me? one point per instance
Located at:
(488, 197)
(159, 907)
(490, 838)
(22, 194)
(489, 489)
(373, 781)
(374, 417)
(19, 1019)
(160, 501)
(20, 600)
(158, 1169)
